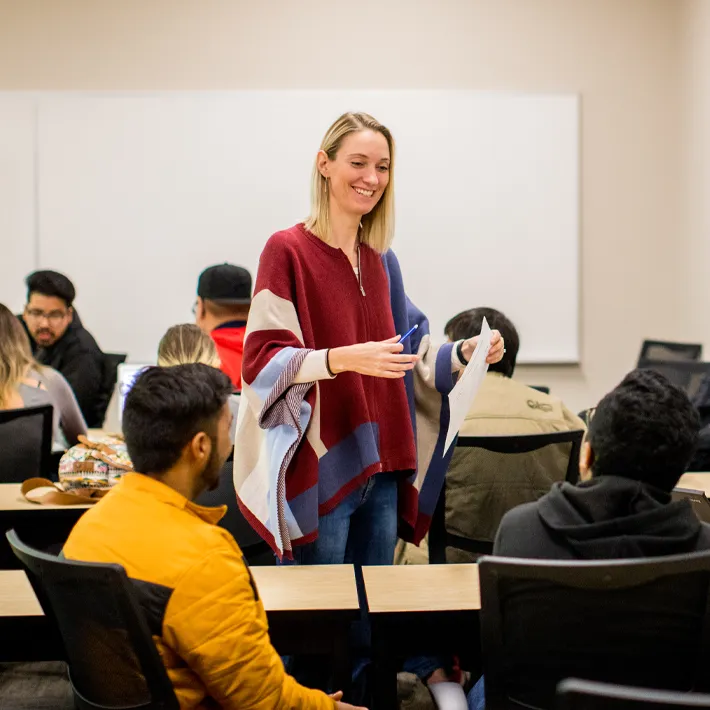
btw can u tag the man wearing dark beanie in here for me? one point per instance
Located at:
(221, 310)
(641, 439)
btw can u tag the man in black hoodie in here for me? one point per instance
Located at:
(59, 340)
(641, 439)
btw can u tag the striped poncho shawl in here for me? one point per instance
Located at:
(302, 447)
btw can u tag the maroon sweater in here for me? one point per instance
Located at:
(365, 423)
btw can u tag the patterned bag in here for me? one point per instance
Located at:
(97, 465)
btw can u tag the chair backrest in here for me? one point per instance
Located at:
(637, 622)
(689, 376)
(575, 694)
(110, 377)
(113, 661)
(540, 388)
(669, 351)
(26, 443)
(440, 539)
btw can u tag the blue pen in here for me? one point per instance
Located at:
(408, 333)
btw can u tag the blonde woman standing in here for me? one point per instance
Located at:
(334, 453)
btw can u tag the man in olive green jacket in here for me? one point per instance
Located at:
(481, 486)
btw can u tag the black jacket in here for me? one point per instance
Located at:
(77, 356)
(606, 518)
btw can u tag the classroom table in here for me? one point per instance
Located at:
(310, 610)
(420, 609)
(25, 633)
(696, 482)
(40, 526)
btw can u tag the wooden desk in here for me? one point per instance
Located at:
(25, 633)
(696, 481)
(420, 609)
(12, 500)
(310, 610)
(40, 526)
(17, 598)
(301, 589)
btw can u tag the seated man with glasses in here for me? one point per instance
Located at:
(59, 340)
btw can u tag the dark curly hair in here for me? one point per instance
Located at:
(645, 429)
(166, 407)
(51, 283)
(467, 324)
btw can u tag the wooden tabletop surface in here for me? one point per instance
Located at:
(295, 588)
(324, 588)
(406, 588)
(695, 481)
(11, 498)
(17, 598)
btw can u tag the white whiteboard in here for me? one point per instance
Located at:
(137, 194)
(18, 233)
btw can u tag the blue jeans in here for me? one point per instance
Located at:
(477, 696)
(362, 530)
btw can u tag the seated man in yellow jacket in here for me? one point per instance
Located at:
(481, 486)
(209, 623)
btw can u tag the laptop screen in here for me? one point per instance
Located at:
(126, 377)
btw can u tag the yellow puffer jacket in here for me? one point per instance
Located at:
(200, 600)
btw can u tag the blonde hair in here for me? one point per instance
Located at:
(15, 354)
(185, 344)
(378, 225)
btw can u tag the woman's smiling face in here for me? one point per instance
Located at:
(359, 173)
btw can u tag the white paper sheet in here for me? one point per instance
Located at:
(464, 392)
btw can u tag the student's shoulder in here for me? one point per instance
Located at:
(50, 378)
(87, 343)
(520, 516)
(215, 555)
(518, 527)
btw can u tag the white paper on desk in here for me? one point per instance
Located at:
(464, 392)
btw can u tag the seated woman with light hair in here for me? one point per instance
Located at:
(26, 383)
(186, 343)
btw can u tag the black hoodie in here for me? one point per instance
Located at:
(77, 356)
(609, 517)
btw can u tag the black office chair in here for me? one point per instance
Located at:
(255, 550)
(638, 622)
(540, 388)
(689, 376)
(109, 379)
(669, 351)
(26, 443)
(575, 694)
(113, 661)
(440, 538)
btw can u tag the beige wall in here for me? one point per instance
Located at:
(622, 56)
(696, 184)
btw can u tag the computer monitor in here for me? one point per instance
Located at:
(127, 374)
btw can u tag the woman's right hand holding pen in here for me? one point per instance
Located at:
(378, 359)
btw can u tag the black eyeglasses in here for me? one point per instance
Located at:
(53, 316)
